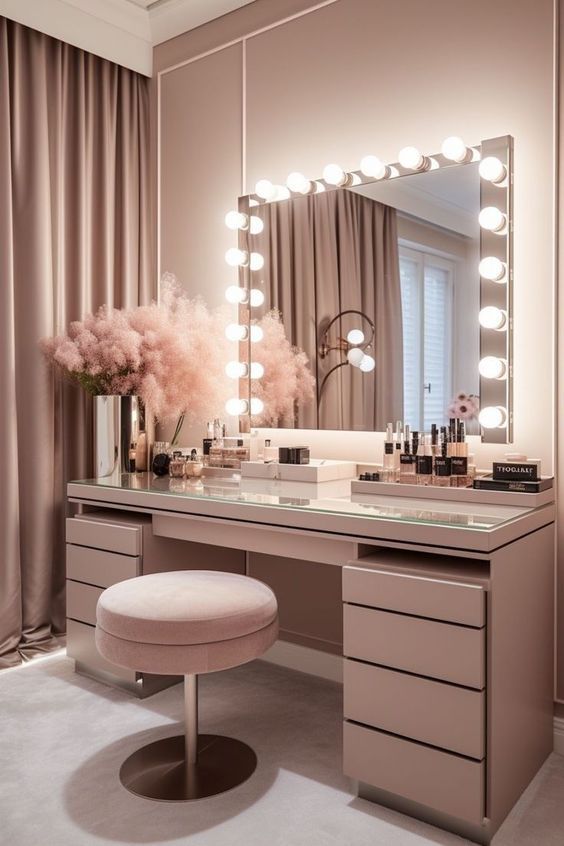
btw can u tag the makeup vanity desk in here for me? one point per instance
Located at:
(446, 611)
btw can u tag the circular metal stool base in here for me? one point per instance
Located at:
(158, 771)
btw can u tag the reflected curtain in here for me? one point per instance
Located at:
(325, 254)
(74, 234)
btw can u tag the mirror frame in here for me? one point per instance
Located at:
(495, 393)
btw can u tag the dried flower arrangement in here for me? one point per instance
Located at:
(464, 407)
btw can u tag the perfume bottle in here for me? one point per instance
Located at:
(176, 465)
(389, 467)
(408, 475)
(424, 462)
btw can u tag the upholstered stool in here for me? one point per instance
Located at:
(186, 623)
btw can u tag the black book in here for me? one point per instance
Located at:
(487, 483)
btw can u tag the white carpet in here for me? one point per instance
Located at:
(63, 738)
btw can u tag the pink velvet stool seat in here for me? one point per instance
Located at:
(186, 623)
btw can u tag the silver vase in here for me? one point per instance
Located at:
(116, 427)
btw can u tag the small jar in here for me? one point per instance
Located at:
(194, 466)
(177, 465)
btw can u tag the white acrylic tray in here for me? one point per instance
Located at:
(318, 470)
(528, 500)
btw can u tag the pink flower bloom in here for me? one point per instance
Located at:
(464, 407)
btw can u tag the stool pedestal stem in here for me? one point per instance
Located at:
(191, 718)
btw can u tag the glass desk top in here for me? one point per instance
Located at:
(323, 498)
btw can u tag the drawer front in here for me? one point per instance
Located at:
(430, 711)
(99, 567)
(82, 647)
(423, 597)
(438, 650)
(81, 601)
(433, 778)
(110, 536)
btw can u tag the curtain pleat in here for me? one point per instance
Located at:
(74, 234)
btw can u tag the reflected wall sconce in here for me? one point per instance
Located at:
(352, 349)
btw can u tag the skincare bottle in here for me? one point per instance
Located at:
(407, 475)
(398, 446)
(132, 457)
(388, 473)
(424, 463)
(217, 431)
(441, 475)
(435, 440)
(460, 458)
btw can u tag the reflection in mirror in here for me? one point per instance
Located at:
(378, 283)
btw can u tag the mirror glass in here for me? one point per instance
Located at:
(378, 283)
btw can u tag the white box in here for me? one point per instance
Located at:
(318, 470)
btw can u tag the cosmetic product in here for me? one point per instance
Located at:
(217, 430)
(270, 452)
(398, 446)
(141, 453)
(517, 471)
(415, 442)
(388, 473)
(459, 464)
(442, 471)
(435, 448)
(407, 474)
(490, 484)
(132, 457)
(424, 463)
(294, 455)
(160, 464)
(194, 466)
(176, 465)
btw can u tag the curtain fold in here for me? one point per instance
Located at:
(74, 234)
(325, 254)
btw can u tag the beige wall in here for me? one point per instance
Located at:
(358, 76)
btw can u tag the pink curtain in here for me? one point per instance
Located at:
(74, 234)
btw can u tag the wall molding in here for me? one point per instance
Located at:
(306, 660)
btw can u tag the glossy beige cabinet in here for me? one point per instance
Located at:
(448, 679)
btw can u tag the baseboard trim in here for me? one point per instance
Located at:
(559, 735)
(306, 660)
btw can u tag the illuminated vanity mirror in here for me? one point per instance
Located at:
(395, 280)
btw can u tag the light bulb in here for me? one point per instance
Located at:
(265, 189)
(236, 369)
(236, 406)
(492, 367)
(491, 317)
(257, 370)
(257, 405)
(492, 218)
(492, 268)
(367, 364)
(256, 333)
(334, 175)
(256, 298)
(236, 332)
(355, 356)
(281, 193)
(454, 149)
(355, 336)
(236, 220)
(492, 169)
(372, 166)
(298, 183)
(256, 225)
(257, 261)
(493, 417)
(234, 294)
(411, 158)
(236, 257)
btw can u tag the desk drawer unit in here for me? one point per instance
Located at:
(104, 535)
(99, 567)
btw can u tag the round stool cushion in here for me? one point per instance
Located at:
(187, 621)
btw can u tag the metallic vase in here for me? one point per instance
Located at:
(116, 427)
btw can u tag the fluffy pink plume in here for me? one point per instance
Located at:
(172, 354)
(287, 378)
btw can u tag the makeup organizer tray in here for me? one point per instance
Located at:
(527, 500)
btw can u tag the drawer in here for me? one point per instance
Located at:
(81, 601)
(439, 780)
(426, 647)
(438, 599)
(429, 711)
(82, 647)
(99, 567)
(103, 535)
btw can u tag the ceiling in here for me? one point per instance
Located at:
(124, 31)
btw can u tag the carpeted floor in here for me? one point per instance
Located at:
(63, 738)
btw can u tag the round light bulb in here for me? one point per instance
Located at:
(256, 333)
(367, 364)
(298, 183)
(236, 332)
(492, 317)
(265, 189)
(355, 356)
(492, 367)
(355, 336)
(256, 225)
(411, 158)
(236, 257)
(372, 166)
(257, 405)
(492, 218)
(257, 370)
(454, 149)
(492, 169)
(493, 417)
(256, 298)
(492, 268)
(236, 220)
(236, 369)
(236, 406)
(334, 175)
(234, 294)
(257, 261)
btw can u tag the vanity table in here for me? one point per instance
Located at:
(447, 618)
